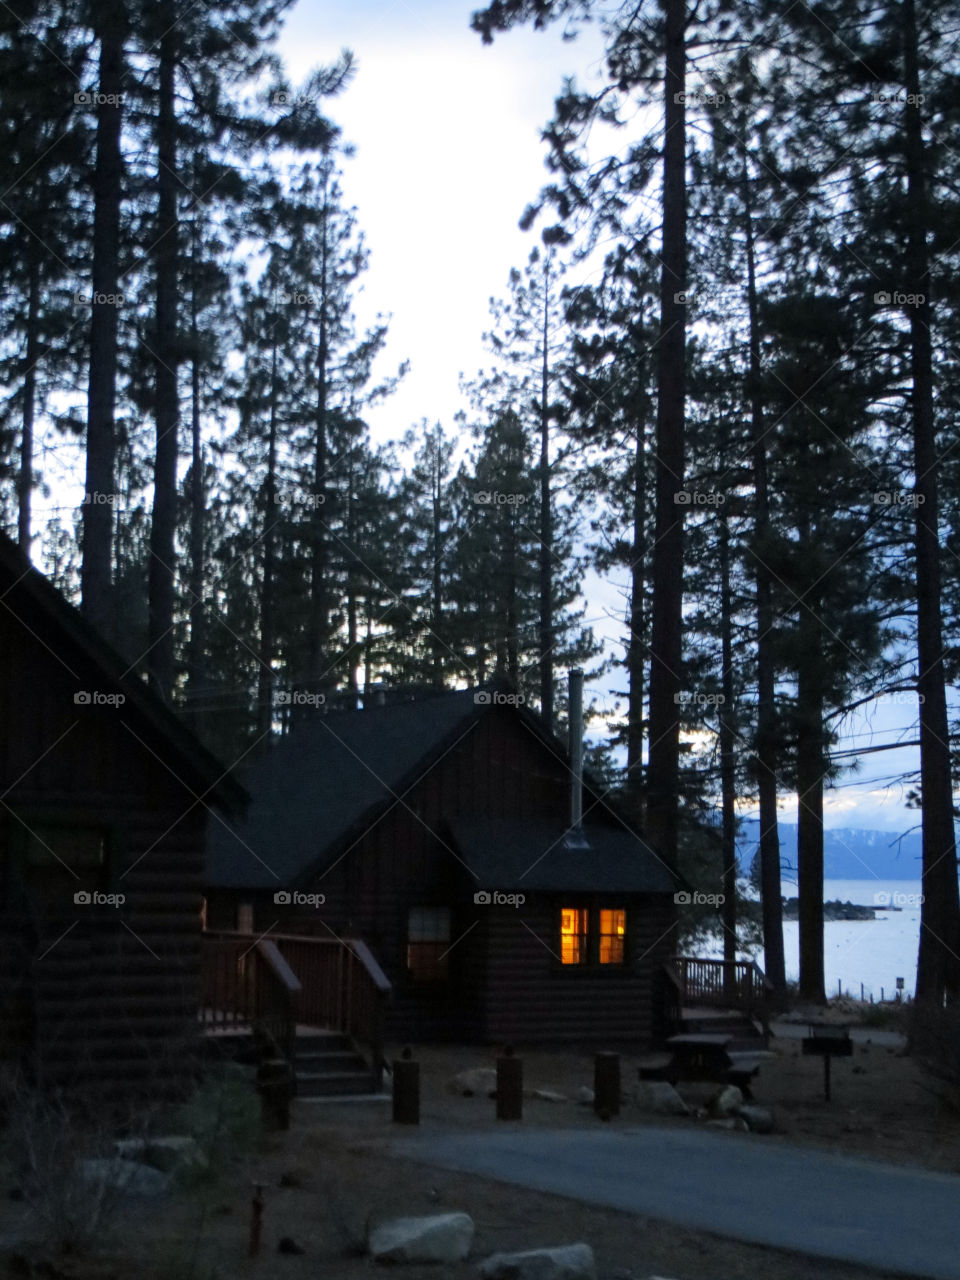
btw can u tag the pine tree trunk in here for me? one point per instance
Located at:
(765, 743)
(319, 595)
(728, 784)
(938, 969)
(25, 478)
(667, 571)
(546, 523)
(95, 574)
(196, 661)
(636, 655)
(167, 410)
(436, 606)
(810, 770)
(352, 602)
(265, 656)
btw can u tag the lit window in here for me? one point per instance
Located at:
(613, 928)
(428, 941)
(573, 935)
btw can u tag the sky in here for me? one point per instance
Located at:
(448, 155)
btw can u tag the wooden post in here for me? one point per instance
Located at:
(606, 1084)
(275, 1086)
(509, 1086)
(406, 1089)
(256, 1222)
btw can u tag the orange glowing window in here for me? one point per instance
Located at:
(573, 935)
(613, 930)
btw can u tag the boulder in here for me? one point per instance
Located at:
(565, 1262)
(661, 1098)
(759, 1119)
(476, 1082)
(442, 1237)
(549, 1095)
(725, 1102)
(586, 1096)
(126, 1176)
(165, 1154)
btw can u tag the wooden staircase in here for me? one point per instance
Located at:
(748, 1033)
(712, 996)
(326, 1063)
(317, 1002)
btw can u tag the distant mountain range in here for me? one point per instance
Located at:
(849, 853)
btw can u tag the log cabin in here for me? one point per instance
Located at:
(450, 853)
(104, 801)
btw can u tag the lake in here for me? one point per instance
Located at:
(872, 952)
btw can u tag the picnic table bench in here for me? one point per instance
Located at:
(701, 1056)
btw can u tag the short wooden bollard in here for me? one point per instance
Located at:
(256, 1222)
(606, 1084)
(406, 1090)
(275, 1086)
(509, 1086)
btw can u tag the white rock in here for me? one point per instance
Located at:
(566, 1262)
(660, 1097)
(586, 1096)
(549, 1095)
(165, 1154)
(477, 1082)
(443, 1237)
(126, 1176)
(725, 1102)
(758, 1119)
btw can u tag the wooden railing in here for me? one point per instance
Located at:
(246, 982)
(726, 984)
(322, 982)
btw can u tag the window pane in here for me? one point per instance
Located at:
(573, 935)
(613, 929)
(428, 941)
(429, 924)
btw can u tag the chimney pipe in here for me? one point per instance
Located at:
(576, 747)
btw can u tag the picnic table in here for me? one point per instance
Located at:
(704, 1056)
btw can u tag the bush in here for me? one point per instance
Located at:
(222, 1115)
(52, 1138)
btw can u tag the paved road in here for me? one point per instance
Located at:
(734, 1185)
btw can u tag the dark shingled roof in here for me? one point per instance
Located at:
(322, 780)
(528, 856)
(61, 629)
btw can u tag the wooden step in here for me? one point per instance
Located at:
(326, 1084)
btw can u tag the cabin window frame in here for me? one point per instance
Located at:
(437, 974)
(24, 823)
(593, 906)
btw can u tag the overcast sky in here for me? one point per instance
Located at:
(447, 133)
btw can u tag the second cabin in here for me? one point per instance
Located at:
(448, 850)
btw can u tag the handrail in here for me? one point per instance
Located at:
(328, 982)
(366, 958)
(278, 966)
